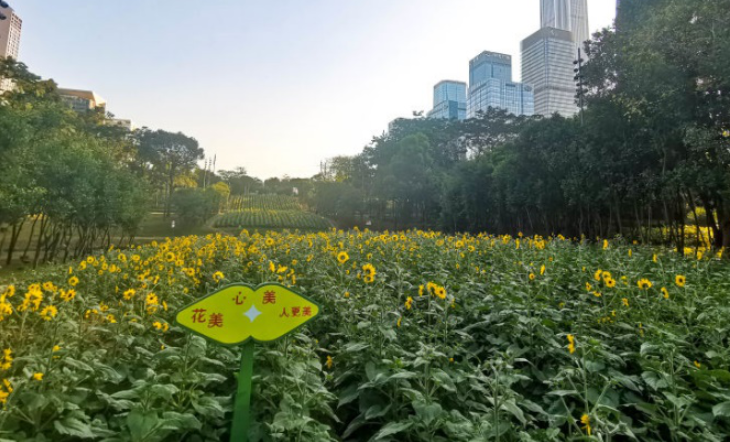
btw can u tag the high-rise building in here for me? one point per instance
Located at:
(449, 100)
(491, 85)
(490, 65)
(568, 15)
(10, 29)
(515, 98)
(9, 41)
(547, 65)
(82, 101)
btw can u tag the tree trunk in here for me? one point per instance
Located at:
(700, 237)
(14, 234)
(170, 186)
(30, 237)
(2, 241)
(41, 240)
(712, 221)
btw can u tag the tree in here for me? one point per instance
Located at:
(194, 206)
(164, 156)
(239, 181)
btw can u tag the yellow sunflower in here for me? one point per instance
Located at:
(343, 257)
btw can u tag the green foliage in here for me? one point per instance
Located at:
(239, 181)
(193, 207)
(165, 156)
(65, 174)
(651, 146)
(390, 358)
(72, 181)
(336, 199)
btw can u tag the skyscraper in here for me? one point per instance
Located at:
(490, 65)
(449, 100)
(547, 65)
(10, 34)
(9, 41)
(491, 85)
(569, 15)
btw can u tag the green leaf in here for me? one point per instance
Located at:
(594, 366)
(512, 408)
(721, 409)
(391, 428)
(355, 347)
(648, 348)
(181, 421)
(376, 411)
(388, 333)
(33, 401)
(117, 405)
(72, 426)
(404, 375)
(427, 412)
(163, 391)
(722, 375)
(126, 394)
(535, 408)
(563, 393)
(444, 380)
(77, 364)
(355, 425)
(208, 406)
(348, 395)
(629, 382)
(654, 380)
(141, 424)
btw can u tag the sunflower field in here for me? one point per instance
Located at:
(422, 337)
(265, 202)
(272, 219)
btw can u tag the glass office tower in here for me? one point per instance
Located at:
(490, 65)
(449, 100)
(491, 85)
(568, 15)
(547, 65)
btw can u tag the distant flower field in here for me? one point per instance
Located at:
(272, 219)
(265, 202)
(422, 337)
(269, 212)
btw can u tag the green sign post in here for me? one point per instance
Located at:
(241, 315)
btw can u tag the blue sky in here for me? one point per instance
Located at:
(274, 86)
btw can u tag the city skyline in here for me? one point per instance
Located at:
(276, 94)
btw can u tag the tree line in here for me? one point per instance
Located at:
(650, 147)
(648, 154)
(72, 182)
